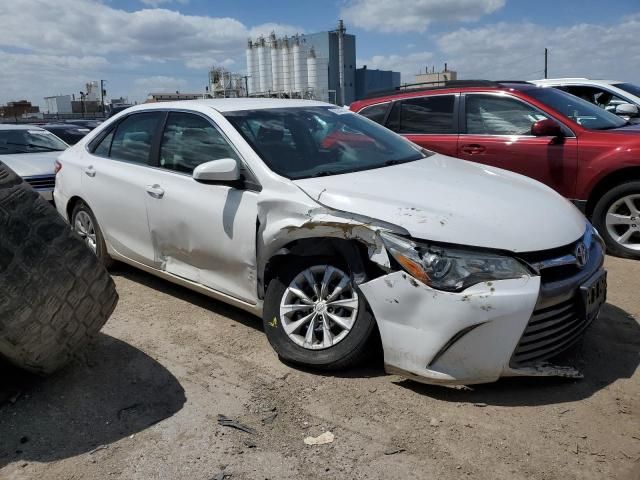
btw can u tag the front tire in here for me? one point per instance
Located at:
(617, 218)
(84, 223)
(314, 315)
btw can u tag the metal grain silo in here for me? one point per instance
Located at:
(264, 66)
(276, 64)
(252, 72)
(299, 67)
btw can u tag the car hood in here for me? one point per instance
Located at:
(450, 200)
(31, 164)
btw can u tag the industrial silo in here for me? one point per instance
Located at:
(287, 66)
(264, 66)
(299, 67)
(276, 64)
(251, 73)
(312, 75)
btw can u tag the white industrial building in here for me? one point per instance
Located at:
(319, 66)
(58, 104)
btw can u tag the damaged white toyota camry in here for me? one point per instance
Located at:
(333, 229)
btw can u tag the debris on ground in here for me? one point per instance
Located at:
(221, 476)
(228, 422)
(249, 443)
(326, 437)
(394, 450)
(479, 404)
(269, 418)
(98, 448)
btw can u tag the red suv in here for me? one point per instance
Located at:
(585, 153)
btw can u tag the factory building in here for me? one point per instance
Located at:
(371, 81)
(318, 66)
(436, 78)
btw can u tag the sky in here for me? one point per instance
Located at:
(138, 46)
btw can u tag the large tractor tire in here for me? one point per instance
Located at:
(54, 294)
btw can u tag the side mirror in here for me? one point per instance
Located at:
(627, 110)
(546, 128)
(224, 170)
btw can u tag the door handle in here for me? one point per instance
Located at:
(473, 149)
(90, 171)
(155, 191)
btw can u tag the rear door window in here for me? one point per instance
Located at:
(428, 115)
(133, 137)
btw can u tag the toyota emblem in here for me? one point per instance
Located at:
(582, 255)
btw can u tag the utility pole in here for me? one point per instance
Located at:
(546, 62)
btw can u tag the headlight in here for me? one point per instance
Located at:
(448, 268)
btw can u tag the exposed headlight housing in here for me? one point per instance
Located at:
(451, 269)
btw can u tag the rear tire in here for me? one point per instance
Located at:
(84, 223)
(617, 218)
(349, 348)
(54, 294)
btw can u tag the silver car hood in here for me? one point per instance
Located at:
(31, 164)
(450, 200)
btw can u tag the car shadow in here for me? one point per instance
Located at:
(113, 391)
(186, 295)
(608, 352)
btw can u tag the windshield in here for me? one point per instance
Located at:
(29, 141)
(307, 142)
(580, 111)
(629, 87)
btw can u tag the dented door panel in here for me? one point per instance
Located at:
(204, 233)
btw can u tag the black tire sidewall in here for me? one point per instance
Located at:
(101, 246)
(332, 357)
(600, 212)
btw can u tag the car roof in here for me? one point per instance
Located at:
(9, 126)
(449, 87)
(233, 104)
(553, 81)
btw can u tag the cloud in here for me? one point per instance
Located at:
(51, 74)
(414, 15)
(80, 40)
(515, 50)
(156, 3)
(89, 27)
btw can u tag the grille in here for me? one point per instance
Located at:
(550, 331)
(43, 182)
(558, 319)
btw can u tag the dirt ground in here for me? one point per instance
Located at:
(145, 400)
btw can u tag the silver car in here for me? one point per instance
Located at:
(31, 152)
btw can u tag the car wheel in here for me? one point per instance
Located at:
(617, 218)
(54, 295)
(84, 223)
(315, 315)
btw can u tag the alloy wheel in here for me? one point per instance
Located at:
(84, 227)
(623, 221)
(319, 307)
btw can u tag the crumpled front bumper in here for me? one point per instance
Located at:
(453, 338)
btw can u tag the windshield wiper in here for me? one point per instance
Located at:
(33, 145)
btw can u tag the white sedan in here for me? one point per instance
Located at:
(31, 152)
(332, 227)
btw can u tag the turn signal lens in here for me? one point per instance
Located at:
(414, 269)
(57, 166)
